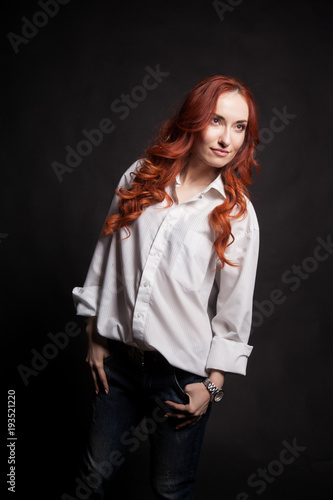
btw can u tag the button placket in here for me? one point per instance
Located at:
(147, 278)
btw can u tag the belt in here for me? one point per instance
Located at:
(139, 356)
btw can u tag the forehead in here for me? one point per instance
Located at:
(232, 106)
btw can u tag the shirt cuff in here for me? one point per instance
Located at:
(85, 300)
(228, 356)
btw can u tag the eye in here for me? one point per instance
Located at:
(215, 120)
(240, 127)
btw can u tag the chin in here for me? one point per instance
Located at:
(221, 164)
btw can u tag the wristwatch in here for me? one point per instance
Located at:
(216, 394)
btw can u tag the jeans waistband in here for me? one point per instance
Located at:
(139, 356)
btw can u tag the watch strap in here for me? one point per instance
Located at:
(213, 389)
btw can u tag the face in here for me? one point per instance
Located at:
(223, 137)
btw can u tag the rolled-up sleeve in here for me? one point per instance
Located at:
(86, 298)
(231, 325)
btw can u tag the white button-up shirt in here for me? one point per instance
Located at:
(160, 289)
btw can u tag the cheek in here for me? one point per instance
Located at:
(209, 136)
(238, 142)
(202, 144)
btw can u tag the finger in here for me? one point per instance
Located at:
(178, 416)
(94, 379)
(103, 379)
(177, 406)
(188, 423)
(182, 414)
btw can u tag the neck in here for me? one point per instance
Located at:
(197, 173)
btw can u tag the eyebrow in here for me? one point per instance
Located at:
(222, 118)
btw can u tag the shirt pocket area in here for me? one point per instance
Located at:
(191, 264)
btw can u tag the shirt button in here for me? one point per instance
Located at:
(167, 225)
(145, 284)
(139, 315)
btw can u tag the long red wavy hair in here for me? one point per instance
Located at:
(164, 160)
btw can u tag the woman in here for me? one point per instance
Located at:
(169, 290)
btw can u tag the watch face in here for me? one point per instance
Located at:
(218, 396)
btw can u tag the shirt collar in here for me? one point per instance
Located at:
(217, 184)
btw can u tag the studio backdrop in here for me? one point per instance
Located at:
(86, 86)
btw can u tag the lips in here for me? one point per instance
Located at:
(220, 152)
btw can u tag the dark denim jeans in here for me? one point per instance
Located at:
(133, 411)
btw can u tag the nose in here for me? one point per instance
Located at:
(224, 138)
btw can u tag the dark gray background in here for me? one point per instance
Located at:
(63, 81)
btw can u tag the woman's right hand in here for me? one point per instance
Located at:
(97, 351)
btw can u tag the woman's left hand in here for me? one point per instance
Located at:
(190, 414)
